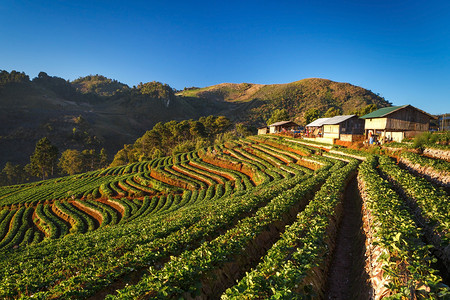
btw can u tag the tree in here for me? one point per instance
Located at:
(11, 174)
(311, 115)
(366, 110)
(197, 129)
(125, 156)
(103, 158)
(71, 162)
(43, 161)
(90, 159)
(242, 130)
(278, 115)
(221, 123)
(332, 112)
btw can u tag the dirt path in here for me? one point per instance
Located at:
(347, 278)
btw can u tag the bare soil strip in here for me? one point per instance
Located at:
(347, 278)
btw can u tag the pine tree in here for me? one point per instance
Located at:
(43, 161)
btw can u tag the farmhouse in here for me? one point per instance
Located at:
(282, 126)
(396, 122)
(348, 128)
(263, 130)
(315, 128)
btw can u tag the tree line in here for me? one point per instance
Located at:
(163, 139)
(46, 162)
(175, 137)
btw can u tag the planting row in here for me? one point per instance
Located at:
(133, 245)
(399, 263)
(203, 271)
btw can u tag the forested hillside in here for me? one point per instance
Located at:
(95, 112)
(296, 97)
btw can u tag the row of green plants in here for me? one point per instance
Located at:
(183, 177)
(51, 190)
(286, 155)
(53, 226)
(81, 222)
(168, 173)
(235, 155)
(217, 178)
(437, 164)
(302, 252)
(118, 250)
(431, 205)
(235, 176)
(268, 156)
(277, 141)
(146, 179)
(195, 175)
(142, 189)
(249, 155)
(405, 259)
(185, 272)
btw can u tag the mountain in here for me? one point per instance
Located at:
(296, 97)
(95, 111)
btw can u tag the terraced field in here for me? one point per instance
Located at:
(257, 218)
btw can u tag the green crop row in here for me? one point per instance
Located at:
(146, 180)
(404, 259)
(301, 252)
(437, 164)
(276, 141)
(118, 249)
(433, 203)
(184, 273)
(217, 178)
(51, 224)
(194, 174)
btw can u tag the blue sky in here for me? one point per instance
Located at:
(399, 49)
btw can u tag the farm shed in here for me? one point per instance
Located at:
(282, 126)
(396, 122)
(263, 130)
(347, 128)
(315, 127)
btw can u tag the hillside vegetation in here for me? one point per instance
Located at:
(296, 97)
(114, 114)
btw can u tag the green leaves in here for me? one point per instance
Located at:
(406, 260)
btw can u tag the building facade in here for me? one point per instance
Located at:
(396, 122)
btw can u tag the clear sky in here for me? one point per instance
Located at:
(399, 49)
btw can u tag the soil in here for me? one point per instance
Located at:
(347, 278)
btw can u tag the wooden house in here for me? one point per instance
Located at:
(315, 128)
(347, 128)
(396, 122)
(263, 130)
(283, 126)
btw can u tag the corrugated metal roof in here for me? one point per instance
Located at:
(379, 113)
(337, 119)
(318, 122)
(282, 123)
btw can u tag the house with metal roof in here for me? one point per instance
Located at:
(396, 122)
(345, 128)
(315, 128)
(282, 126)
(318, 122)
